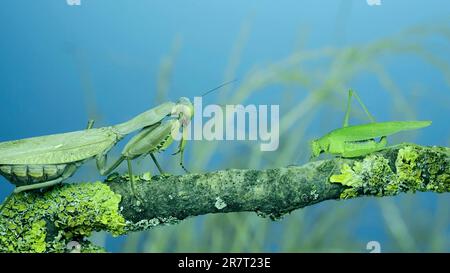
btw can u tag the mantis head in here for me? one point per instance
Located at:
(183, 110)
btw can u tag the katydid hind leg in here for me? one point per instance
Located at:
(363, 106)
(401, 145)
(351, 94)
(363, 148)
(349, 105)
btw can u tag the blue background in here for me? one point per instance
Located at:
(61, 65)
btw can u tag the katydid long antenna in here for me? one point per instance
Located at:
(218, 87)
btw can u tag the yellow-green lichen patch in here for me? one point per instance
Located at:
(407, 169)
(348, 177)
(379, 179)
(372, 176)
(442, 183)
(46, 222)
(415, 170)
(436, 167)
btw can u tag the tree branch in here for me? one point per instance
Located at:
(65, 215)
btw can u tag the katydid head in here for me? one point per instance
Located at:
(183, 110)
(317, 147)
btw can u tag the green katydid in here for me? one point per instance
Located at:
(359, 140)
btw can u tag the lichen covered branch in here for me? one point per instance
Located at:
(49, 221)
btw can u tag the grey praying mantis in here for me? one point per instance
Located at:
(359, 140)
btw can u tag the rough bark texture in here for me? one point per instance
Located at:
(67, 214)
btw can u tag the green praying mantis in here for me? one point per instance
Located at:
(360, 140)
(39, 162)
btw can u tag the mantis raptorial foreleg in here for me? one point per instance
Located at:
(139, 145)
(149, 140)
(181, 147)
